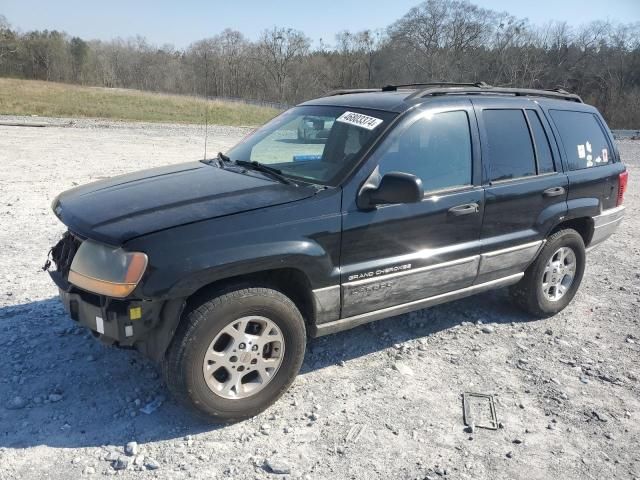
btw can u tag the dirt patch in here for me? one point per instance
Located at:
(380, 401)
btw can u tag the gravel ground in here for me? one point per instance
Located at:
(380, 401)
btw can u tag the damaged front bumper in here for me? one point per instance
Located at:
(145, 324)
(121, 322)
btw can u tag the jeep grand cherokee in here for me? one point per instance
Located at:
(416, 195)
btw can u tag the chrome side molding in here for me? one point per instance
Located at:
(356, 320)
(404, 286)
(327, 303)
(507, 261)
(362, 296)
(411, 271)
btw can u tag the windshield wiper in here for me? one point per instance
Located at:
(261, 167)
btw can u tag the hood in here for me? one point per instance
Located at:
(121, 208)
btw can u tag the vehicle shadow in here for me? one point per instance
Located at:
(489, 307)
(75, 392)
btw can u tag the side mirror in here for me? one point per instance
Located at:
(394, 187)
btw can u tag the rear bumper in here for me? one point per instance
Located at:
(605, 224)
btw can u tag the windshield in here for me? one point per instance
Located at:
(313, 143)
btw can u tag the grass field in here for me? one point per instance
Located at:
(48, 99)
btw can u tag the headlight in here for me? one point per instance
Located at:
(107, 270)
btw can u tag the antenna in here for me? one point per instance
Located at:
(206, 103)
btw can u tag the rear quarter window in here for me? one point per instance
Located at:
(543, 150)
(583, 139)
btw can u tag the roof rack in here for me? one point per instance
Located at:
(557, 93)
(453, 88)
(346, 91)
(394, 88)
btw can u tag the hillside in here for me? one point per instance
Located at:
(32, 97)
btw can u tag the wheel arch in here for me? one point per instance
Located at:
(583, 225)
(291, 282)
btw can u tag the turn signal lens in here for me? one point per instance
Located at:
(106, 270)
(116, 290)
(136, 268)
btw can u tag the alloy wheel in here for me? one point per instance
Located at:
(243, 357)
(559, 273)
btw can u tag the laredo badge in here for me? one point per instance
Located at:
(359, 120)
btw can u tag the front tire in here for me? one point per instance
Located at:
(236, 354)
(552, 280)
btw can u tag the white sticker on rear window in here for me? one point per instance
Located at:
(581, 152)
(605, 155)
(359, 120)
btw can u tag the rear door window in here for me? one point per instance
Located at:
(584, 142)
(509, 145)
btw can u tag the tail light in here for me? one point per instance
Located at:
(623, 178)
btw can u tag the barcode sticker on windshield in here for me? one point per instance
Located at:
(359, 120)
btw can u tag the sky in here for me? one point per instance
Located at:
(184, 21)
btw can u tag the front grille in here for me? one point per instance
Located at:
(63, 252)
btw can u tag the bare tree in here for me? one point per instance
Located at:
(233, 50)
(8, 42)
(278, 49)
(79, 55)
(439, 40)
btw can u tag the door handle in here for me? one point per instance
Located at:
(466, 209)
(554, 192)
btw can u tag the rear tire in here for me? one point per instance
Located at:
(239, 331)
(552, 280)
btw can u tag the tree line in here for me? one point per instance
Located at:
(438, 40)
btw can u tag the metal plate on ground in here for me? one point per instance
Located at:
(479, 410)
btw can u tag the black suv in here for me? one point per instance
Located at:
(416, 195)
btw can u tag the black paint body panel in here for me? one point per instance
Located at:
(303, 235)
(118, 209)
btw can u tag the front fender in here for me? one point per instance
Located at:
(303, 235)
(306, 256)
